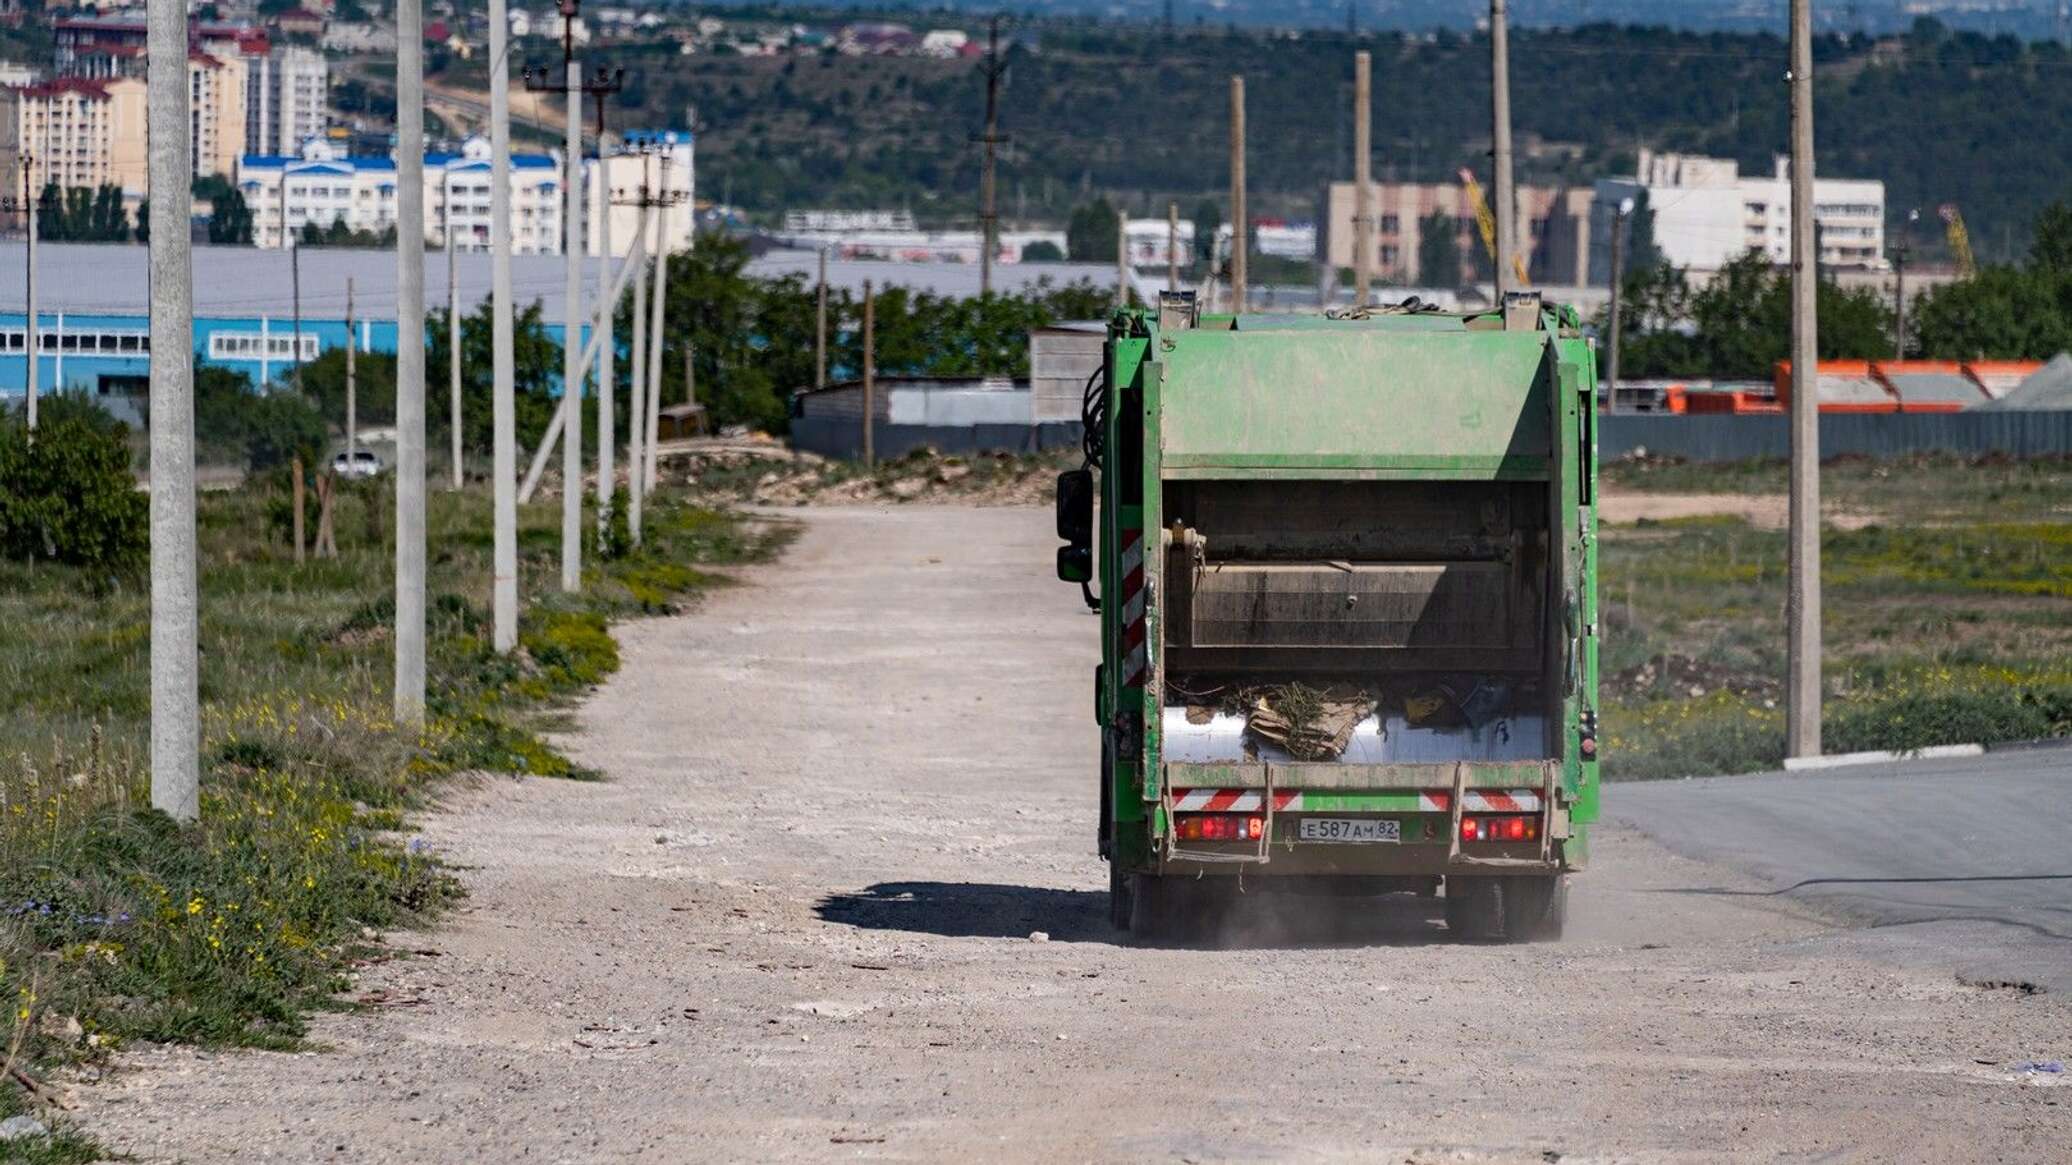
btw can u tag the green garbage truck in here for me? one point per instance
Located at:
(1346, 570)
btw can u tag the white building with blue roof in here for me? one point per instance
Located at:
(324, 185)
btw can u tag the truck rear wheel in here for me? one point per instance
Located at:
(1120, 899)
(1535, 909)
(1475, 908)
(1506, 909)
(1175, 909)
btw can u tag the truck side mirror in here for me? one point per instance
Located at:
(1076, 506)
(1075, 564)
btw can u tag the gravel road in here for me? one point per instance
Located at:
(797, 920)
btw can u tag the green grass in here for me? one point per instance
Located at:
(1948, 621)
(115, 924)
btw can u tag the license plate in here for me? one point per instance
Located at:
(1350, 829)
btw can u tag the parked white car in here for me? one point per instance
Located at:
(360, 463)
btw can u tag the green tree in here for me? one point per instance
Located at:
(1092, 235)
(536, 378)
(230, 220)
(1043, 251)
(1438, 250)
(262, 429)
(1743, 320)
(1208, 219)
(68, 495)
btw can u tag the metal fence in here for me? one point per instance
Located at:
(1731, 438)
(843, 437)
(1693, 438)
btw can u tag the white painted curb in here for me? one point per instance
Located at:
(1935, 752)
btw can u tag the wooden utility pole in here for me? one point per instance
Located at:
(1240, 232)
(1899, 296)
(988, 214)
(1502, 192)
(819, 331)
(870, 376)
(1802, 605)
(352, 397)
(1172, 246)
(175, 617)
(1363, 177)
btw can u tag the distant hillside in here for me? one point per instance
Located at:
(1939, 116)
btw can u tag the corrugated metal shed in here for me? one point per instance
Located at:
(1061, 359)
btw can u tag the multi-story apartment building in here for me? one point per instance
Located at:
(216, 91)
(1554, 232)
(78, 132)
(324, 185)
(287, 97)
(111, 50)
(662, 161)
(1706, 213)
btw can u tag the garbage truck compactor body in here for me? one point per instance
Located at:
(1347, 587)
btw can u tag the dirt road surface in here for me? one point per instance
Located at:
(795, 924)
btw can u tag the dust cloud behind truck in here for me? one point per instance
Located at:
(1347, 583)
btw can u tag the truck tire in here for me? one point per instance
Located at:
(1489, 909)
(1120, 899)
(1535, 908)
(1175, 909)
(1475, 908)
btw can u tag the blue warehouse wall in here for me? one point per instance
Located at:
(109, 354)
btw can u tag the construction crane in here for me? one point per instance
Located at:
(1486, 221)
(1960, 240)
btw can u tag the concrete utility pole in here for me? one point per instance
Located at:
(294, 287)
(1802, 605)
(653, 425)
(1172, 246)
(503, 355)
(1502, 192)
(1122, 259)
(607, 373)
(352, 396)
(820, 328)
(870, 376)
(636, 395)
(175, 651)
(32, 335)
(1363, 177)
(1611, 363)
(410, 451)
(452, 341)
(988, 213)
(572, 336)
(1240, 233)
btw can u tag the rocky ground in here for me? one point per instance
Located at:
(837, 899)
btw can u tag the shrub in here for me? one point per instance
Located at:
(1923, 720)
(67, 495)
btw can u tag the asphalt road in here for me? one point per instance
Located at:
(836, 898)
(1969, 860)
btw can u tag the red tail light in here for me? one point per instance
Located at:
(1499, 828)
(1218, 827)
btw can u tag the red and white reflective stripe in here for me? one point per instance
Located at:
(1133, 655)
(1481, 801)
(1234, 800)
(1290, 801)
